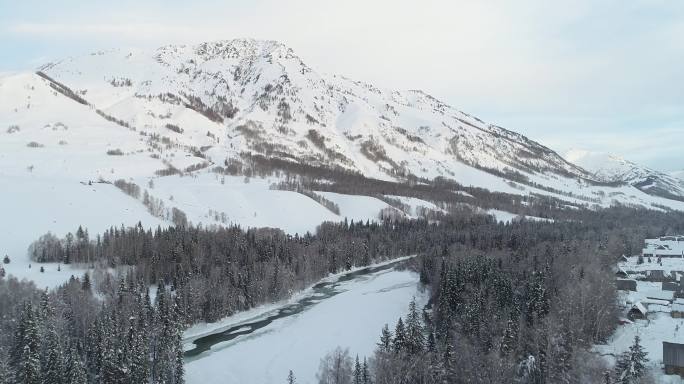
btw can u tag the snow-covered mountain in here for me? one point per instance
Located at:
(159, 123)
(166, 119)
(248, 96)
(611, 168)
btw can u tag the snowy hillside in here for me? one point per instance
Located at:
(611, 168)
(678, 174)
(232, 97)
(59, 160)
(221, 103)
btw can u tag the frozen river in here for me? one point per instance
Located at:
(348, 311)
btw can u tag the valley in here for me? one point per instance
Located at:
(222, 212)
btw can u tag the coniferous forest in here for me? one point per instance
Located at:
(518, 302)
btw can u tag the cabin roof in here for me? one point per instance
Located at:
(639, 307)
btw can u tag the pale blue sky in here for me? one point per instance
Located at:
(593, 74)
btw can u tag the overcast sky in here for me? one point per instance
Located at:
(604, 75)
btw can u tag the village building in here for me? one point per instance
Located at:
(638, 311)
(620, 272)
(677, 310)
(626, 285)
(657, 275)
(673, 358)
(661, 295)
(665, 246)
(670, 286)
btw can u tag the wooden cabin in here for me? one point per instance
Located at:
(670, 286)
(626, 285)
(677, 310)
(637, 312)
(673, 358)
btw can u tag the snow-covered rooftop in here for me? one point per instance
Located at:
(665, 245)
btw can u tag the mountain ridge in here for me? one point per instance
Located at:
(220, 108)
(613, 168)
(263, 87)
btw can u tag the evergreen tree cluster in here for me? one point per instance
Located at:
(69, 337)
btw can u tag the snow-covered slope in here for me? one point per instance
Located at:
(611, 168)
(59, 157)
(257, 96)
(678, 175)
(217, 104)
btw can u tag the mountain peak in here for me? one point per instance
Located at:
(260, 98)
(616, 169)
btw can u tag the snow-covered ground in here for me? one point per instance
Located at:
(246, 203)
(415, 205)
(351, 319)
(668, 264)
(31, 207)
(507, 217)
(659, 325)
(357, 208)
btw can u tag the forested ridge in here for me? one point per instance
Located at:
(501, 293)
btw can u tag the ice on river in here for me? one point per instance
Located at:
(351, 319)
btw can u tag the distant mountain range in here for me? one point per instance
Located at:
(611, 168)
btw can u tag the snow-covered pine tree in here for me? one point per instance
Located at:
(85, 284)
(365, 372)
(45, 309)
(291, 378)
(399, 342)
(29, 368)
(75, 372)
(431, 344)
(638, 357)
(385, 343)
(358, 371)
(179, 369)
(415, 340)
(631, 365)
(6, 373)
(509, 338)
(139, 360)
(26, 341)
(52, 366)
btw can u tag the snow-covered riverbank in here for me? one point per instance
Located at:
(352, 319)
